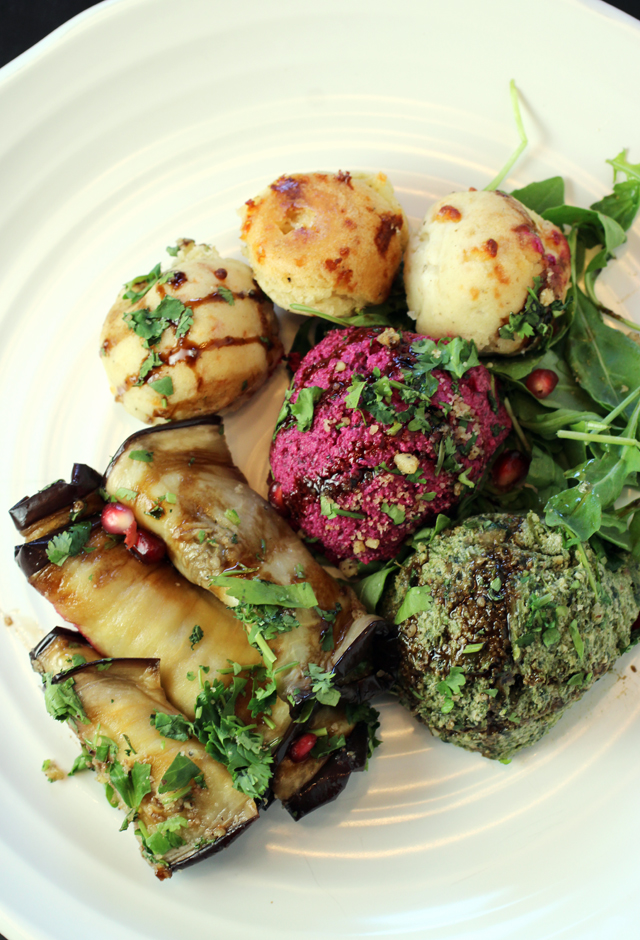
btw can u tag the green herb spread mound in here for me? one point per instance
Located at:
(501, 629)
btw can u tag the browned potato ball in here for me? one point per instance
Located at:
(331, 241)
(193, 340)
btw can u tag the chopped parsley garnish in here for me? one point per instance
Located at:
(535, 319)
(181, 773)
(395, 513)
(196, 635)
(301, 409)
(139, 286)
(330, 509)
(226, 294)
(256, 591)
(123, 493)
(236, 745)
(327, 745)
(62, 701)
(450, 686)
(82, 762)
(322, 685)
(166, 836)
(146, 456)
(163, 386)
(68, 543)
(132, 785)
(416, 599)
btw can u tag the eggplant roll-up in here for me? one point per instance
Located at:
(181, 802)
(183, 486)
(126, 608)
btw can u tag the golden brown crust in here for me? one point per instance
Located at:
(332, 241)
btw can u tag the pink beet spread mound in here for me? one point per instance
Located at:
(380, 432)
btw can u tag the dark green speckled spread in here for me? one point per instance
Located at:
(532, 623)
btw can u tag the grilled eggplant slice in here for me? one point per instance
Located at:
(181, 802)
(125, 608)
(224, 537)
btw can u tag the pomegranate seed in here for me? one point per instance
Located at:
(131, 535)
(541, 382)
(510, 468)
(148, 548)
(275, 497)
(116, 518)
(302, 747)
(294, 359)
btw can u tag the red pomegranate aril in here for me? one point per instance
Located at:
(116, 518)
(302, 747)
(275, 497)
(541, 382)
(131, 535)
(148, 548)
(510, 468)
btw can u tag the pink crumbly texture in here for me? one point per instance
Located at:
(341, 454)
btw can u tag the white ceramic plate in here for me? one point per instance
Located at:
(147, 120)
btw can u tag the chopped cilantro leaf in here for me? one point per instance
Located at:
(181, 772)
(132, 785)
(62, 701)
(322, 685)
(172, 726)
(196, 635)
(68, 543)
(139, 286)
(146, 456)
(232, 516)
(226, 294)
(395, 513)
(330, 509)
(256, 591)
(163, 386)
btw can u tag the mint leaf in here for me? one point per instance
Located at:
(256, 591)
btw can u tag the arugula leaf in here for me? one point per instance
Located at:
(68, 543)
(395, 513)
(547, 194)
(370, 588)
(605, 361)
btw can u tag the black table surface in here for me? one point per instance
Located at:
(25, 23)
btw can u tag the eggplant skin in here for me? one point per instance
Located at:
(332, 778)
(203, 813)
(59, 496)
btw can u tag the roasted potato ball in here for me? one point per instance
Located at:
(193, 340)
(473, 264)
(330, 241)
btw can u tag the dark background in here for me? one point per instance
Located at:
(24, 22)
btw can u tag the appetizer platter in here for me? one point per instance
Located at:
(431, 499)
